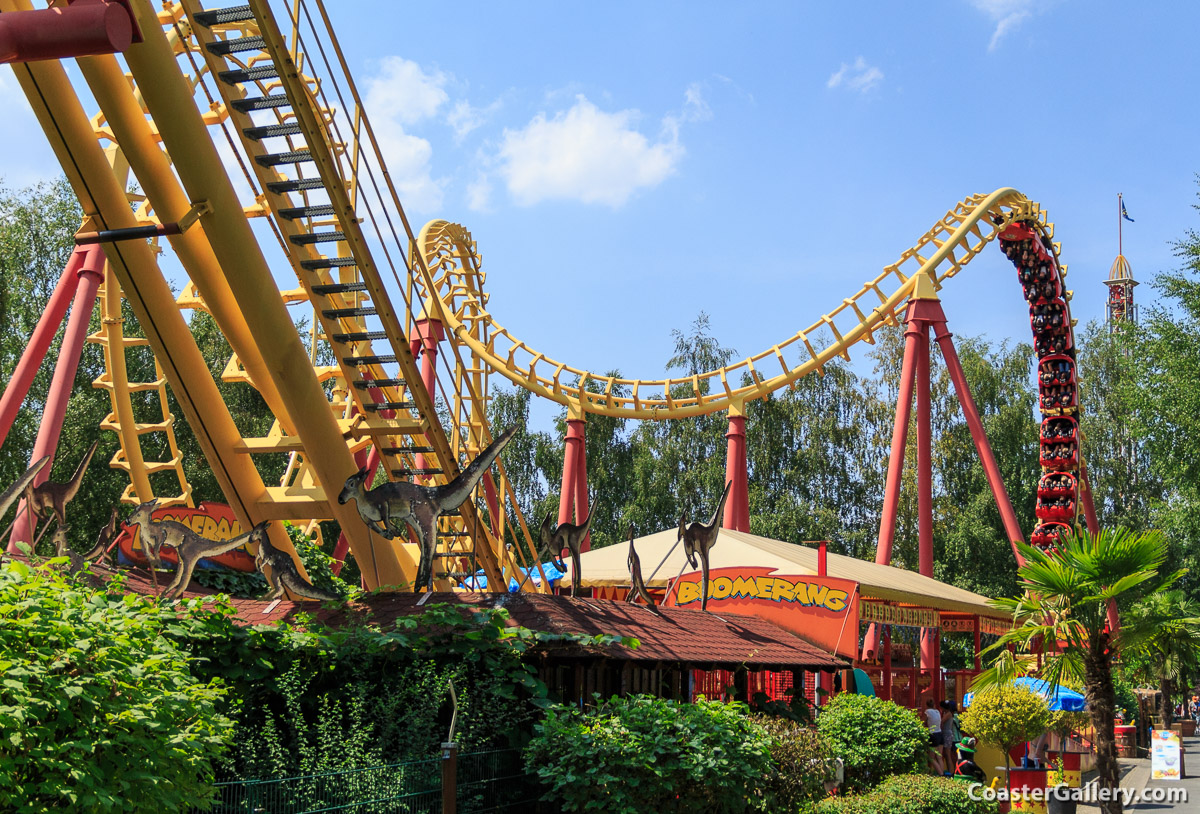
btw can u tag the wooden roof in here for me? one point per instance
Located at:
(702, 639)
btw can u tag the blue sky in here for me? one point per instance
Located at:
(626, 165)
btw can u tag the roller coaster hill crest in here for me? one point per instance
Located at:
(395, 371)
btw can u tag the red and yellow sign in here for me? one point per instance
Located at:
(823, 610)
(214, 521)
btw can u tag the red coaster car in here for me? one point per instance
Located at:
(1048, 317)
(1059, 429)
(1056, 508)
(1057, 484)
(1017, 231)
(1060, 457)
(1053, 344)
(1056, 369)
(1057, 397)
(1040, 287)
(1046, 535)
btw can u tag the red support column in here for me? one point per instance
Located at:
(978, 646)
(91, 273)
(84, 28)
(583, 509)
(895, 471)
(887, 663)
(429, 332)
(1011, 525)
(571, 456)
(925, 492)
(737, 509)
(39, 342)
(924, 461)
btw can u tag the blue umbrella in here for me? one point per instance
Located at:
(1057, 696)
(478, 582)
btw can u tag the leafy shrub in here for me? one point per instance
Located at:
(1006, 715)
(798, 756)
(642, 753)
(315, 697)
(874, 738)
(910, 794)
(99, 709)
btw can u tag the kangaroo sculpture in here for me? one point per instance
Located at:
(52, 498)
(283, 574)
(389, 505)
(637, 586)
(698, 540)
(554, 538)
(189, 546)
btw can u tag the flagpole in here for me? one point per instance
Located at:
(1120, 241)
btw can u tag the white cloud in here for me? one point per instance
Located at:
(586, 154)
(406, 92)
(1006, 14)
(479, 193)
(399, 96)
(860, 76)
(464, 117)
(695, 109)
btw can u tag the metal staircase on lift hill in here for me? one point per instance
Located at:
(353, 309)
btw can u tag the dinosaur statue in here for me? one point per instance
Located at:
(569, 536)
(283, 573)
(388, 505)
(10, 495)
(698, 540)
(77, 561)
(637, 586)
(52, 498)
(189, 546)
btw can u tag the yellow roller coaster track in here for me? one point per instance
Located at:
(940, 254)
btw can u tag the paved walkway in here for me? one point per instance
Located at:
(1135, 775)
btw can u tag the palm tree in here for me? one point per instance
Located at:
(1170, 651)
(1066, 604)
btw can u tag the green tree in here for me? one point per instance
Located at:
(1169, 652)
(1006, 715)
(1067, 599)
(100, 709)
(1125, 486)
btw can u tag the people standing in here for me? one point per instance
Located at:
(950, 731)
(933, 720)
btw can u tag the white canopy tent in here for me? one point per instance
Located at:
(608, 567)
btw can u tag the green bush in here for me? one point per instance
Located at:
(99, 709)
(874, 738)
(910, 794)
(798, 756)
(316, 698)
(641, 753)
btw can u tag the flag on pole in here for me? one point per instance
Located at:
(1125, 214)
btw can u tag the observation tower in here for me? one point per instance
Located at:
(1120, 282)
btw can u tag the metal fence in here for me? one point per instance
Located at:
(492, 782)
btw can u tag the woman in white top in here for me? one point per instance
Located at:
(933, 720)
